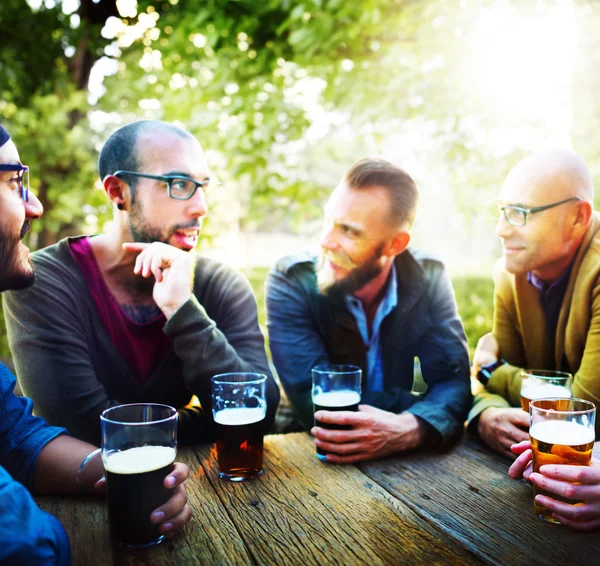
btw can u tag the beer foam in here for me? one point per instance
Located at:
(562, 432)
(240, 416)
(533, 389)
(140, 459)
(342, 398)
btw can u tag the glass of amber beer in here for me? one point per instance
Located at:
(561, 432)
(541, 383)
(335, 388)
(239, 409)
(139, 445)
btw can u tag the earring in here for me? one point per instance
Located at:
(121, 206)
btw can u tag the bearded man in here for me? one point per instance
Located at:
(134, 315)
(370, 301)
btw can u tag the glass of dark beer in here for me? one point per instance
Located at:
(139, 445)
(543, 384)
(561, 432)
(239, 408)
(336, 387)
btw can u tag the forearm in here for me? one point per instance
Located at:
(58, 463)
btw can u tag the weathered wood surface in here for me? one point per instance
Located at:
(302, 511)
(467, 493)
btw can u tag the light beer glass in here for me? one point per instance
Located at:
(335, 387)
(139, 445)
(239, 409)
(561, 432)
(541, 383)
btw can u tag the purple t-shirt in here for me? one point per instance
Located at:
(142, 346)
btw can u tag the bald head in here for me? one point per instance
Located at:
(124, 149)
(553, 175)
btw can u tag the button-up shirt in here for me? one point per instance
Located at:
(551, 296)
(374, 378)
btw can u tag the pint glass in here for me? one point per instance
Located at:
(335, 388)
(561, 432)
(540, 383)
(139, 444)
(239, 409)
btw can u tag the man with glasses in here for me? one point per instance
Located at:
(134, 315)
(546, 300)
(33, 455)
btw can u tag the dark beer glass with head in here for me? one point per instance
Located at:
(336, 387)
(239, 409)
(139, 445)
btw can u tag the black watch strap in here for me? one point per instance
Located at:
(484, 374)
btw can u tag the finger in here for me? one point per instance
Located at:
(172, 507)
(176, 523)
(521, 447)
(518, 467)
(180, 473)
(581, 474)
(156, 267)
(585, 526)
(134, 246)
(578, 512)
(338, 417)
(342, 449)
(520, 420)
(565, 488)
(337, 436)
(100, 485)
(369, 409)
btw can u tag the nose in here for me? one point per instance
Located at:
(327, 238)
(503, 228)
(33, 207)
(197, 206)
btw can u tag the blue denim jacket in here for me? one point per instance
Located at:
(28, 535)
(307, 329)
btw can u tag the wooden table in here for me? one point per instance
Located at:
(459, 507)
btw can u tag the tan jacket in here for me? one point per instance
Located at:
(522, 335)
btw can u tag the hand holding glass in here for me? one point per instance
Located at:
(561, 432)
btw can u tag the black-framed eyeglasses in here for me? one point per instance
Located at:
(517, 215)
(179, 187)
(23, 175)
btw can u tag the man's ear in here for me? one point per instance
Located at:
(584, 212)
(398, 243)
(115, 189)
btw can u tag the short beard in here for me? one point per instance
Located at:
(355, 280)
(13, 275)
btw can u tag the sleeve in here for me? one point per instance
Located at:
(444, 358)
(504, 386)
(28, 535)
(294, 340)
(48, 338)
(227, 340)
(22, 436)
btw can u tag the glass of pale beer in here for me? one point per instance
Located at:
(561, 432)
(541, 383)
(139, 445)
(239, 407)
(335, 387)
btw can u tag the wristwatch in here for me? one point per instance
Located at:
(484, 374)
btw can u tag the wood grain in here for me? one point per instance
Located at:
(467, 493)
(302, 511)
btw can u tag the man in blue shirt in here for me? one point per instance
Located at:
(33, 455)
(369, 301)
